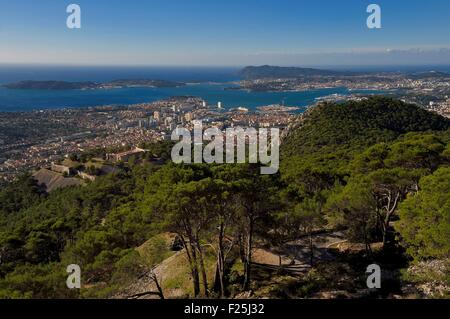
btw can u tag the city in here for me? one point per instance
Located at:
(430, 90)
(109, 129)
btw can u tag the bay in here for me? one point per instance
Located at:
(211, 85)
(27, 100)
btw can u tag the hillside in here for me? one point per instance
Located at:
(53, 181)
(328, 213)
(355, 125)
(267, 71)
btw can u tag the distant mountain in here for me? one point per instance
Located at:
(429, 74)
(63, 85)
(267, 71)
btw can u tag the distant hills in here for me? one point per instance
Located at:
(271, 72)
(267, 71)
(63, 85)
(50, 85)
(429, 74)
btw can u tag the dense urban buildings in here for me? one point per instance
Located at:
(49, 136)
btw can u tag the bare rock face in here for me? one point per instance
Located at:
(53, 180)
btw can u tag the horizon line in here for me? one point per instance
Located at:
(306, 65)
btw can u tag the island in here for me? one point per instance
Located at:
(51, 85)
(64, 85)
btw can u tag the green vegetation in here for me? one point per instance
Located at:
(425, 217)
(353, 126)
(378, 171)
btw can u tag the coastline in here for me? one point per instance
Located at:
(31, 100)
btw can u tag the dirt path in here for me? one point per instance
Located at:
(294, 258)
(295, 255)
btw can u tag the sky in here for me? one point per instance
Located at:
(225, 33)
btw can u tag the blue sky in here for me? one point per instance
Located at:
(231, 32)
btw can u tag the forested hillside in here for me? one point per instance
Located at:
(355, 125)
(360, 183)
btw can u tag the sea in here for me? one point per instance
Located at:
(209, 83)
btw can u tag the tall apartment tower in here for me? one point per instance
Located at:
(157, 116)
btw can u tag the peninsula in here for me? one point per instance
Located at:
(64, 85)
